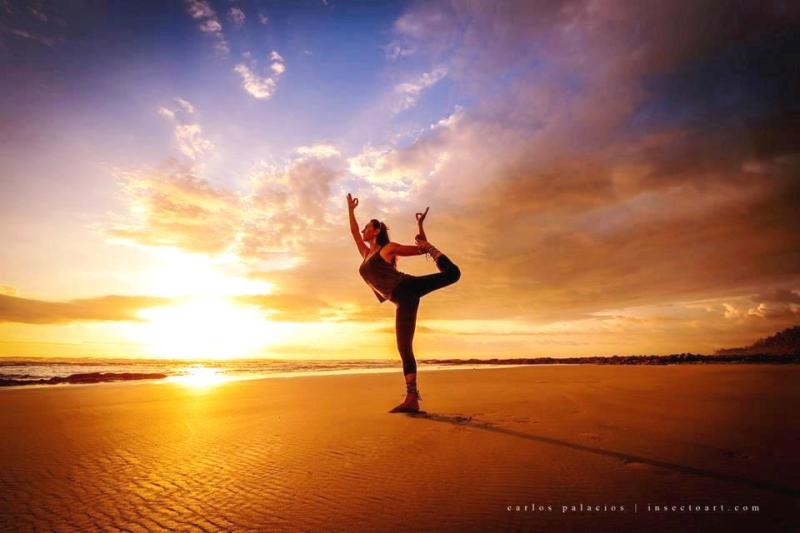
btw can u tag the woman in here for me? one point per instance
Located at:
(379, 270)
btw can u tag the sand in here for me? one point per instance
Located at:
(321, 453)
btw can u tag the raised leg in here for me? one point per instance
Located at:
(448, 274)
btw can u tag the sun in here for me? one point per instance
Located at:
(205, 322)
(204, 327)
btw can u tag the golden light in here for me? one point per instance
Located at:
(205, 327)
(179, 273)
(205, 323)
(200, 376)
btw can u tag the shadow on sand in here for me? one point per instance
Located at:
(471, 422)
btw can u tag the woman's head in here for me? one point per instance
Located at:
(377, 230)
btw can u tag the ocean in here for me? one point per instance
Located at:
(63, 371)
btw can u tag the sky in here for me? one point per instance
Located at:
(612, 178)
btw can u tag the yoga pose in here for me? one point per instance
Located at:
(379, 270)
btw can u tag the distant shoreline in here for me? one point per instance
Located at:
(7, 380)
(682, 358)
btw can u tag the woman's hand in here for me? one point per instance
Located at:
(421, 216)
(420, 220)
(351, 202)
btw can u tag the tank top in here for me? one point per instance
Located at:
(381, 276)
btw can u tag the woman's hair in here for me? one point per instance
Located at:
(383, 235)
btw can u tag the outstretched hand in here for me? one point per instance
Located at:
(351, 202)
(421, 216)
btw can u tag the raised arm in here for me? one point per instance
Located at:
(351, 207)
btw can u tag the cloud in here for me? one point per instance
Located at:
(258, 87)
(38, 14)
(399, 173)
(8, 290)
(578, 185)
(277, 65)
(262, 18)
(261, 87)
(389, 180)
(191, 141)
(295, 307)
(779, 296)
(395, 50)
(112, 307)
(24, 34)
(189, 135)
(201, 11)
(319, 151)
(167, 113)
(775, 305)
(568, 193)
(26, 25)
(170, 206)
(618, 169)
(236, 16)
(429, 28)
(408, 94)
(741, 311)
(289, 206)
(185, 105)
(281, 215)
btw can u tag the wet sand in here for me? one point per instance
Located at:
(322, 454)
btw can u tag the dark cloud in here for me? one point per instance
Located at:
(779, 296)
(635, 153)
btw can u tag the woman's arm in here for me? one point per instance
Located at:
(351, 207)
(394, 248)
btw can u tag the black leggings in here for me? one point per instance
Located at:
(406, 297)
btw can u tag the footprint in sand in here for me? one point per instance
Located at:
(593, 436)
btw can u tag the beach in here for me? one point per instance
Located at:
(540, 448)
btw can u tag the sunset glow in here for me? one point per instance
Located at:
(205, 328)
(200, 377)
(610, 178)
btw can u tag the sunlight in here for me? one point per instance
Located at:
(205, 327)
(180, 273)
(204, 322)
(200, 376)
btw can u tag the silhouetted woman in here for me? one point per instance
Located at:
(379, 270)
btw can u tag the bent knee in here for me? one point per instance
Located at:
(455, 273)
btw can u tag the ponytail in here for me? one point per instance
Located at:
(383, 235)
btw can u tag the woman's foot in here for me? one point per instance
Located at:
(427, 248)
(409, 405)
